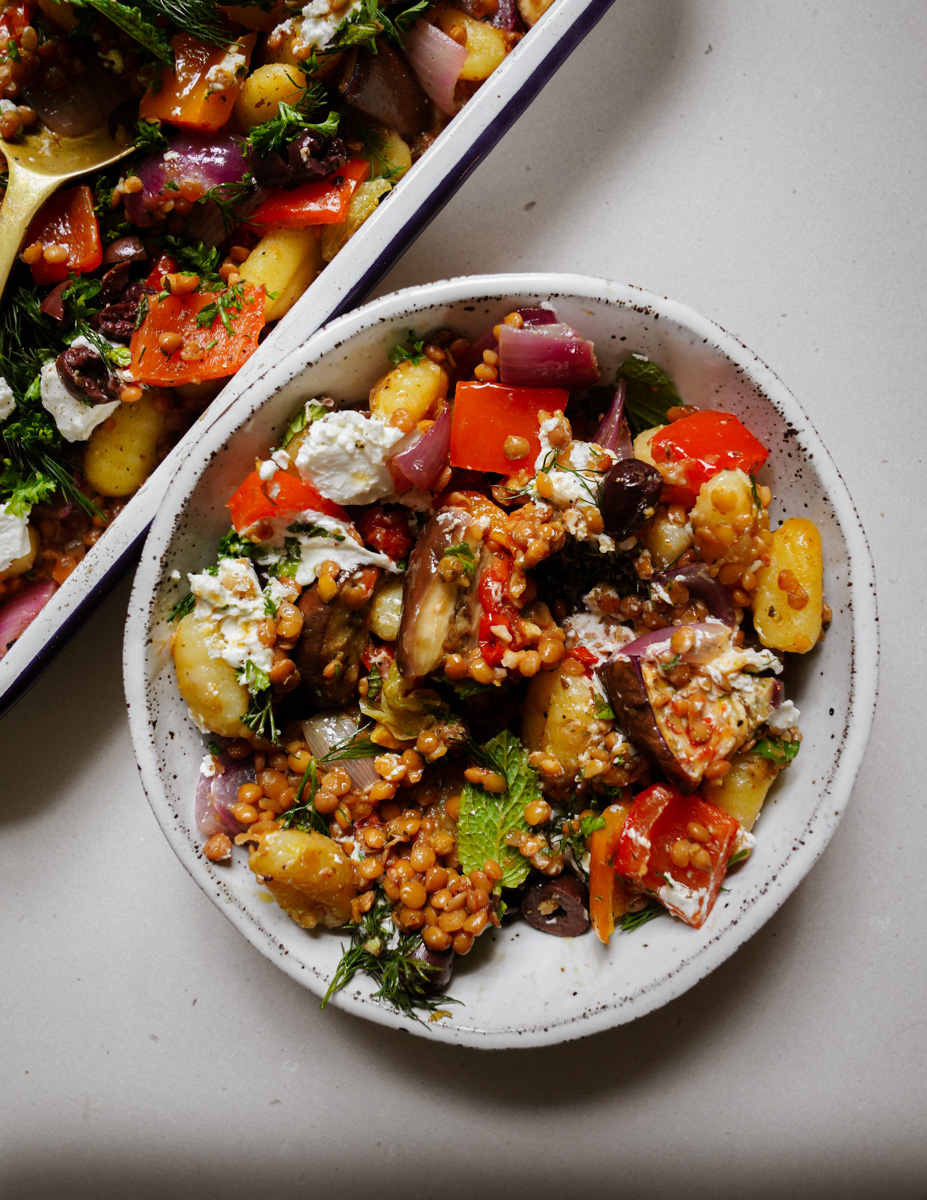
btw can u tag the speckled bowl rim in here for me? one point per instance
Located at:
(834, 791)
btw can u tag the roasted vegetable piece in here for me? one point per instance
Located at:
(685, 719)
(309, 876)
(676, 847)
(691, 450)
(741, 792)
(789, 600)
(440, 616)
(609, 896)
(208, 684)
(382, 86)
(488, 415)
(558, 713)
(333, 638)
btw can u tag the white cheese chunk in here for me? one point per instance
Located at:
(786, 716)
(76, 420)
(14, 538)
(344, 457)
(232, 602)
(7, 402)
(320, 19)
(323, 539)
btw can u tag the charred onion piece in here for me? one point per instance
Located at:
(333, 638)
(438, 617)
(382, 86)
(559, 906)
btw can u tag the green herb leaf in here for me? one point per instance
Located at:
(410, 352)
(604, 712)
(274, 135)
(650, 392)
(778, 750)
(182, 608)
(374, 682)
(138, 22)
(233, 545)
(148, 137)
(464, 556)
(310, 411)
(487, 818)
(634, 920)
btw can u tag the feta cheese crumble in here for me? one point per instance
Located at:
(76, 419)
(7, 402)
(14, 538)
(233, 603)
(320, 19)
(344, 457)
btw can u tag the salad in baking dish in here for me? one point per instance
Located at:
(264, 135)
(501, 640)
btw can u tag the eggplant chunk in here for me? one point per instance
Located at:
(440, 616)
(333, 638)
(383, 86)
(683, 743)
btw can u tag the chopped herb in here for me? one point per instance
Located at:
(364, 24)
(634, 920)
(464, 556)
(148, 137)
(233, 545)
(604, 712)
(738, 857)
(182, 608)
(778, 750)
(274, 135)
(215, 749)
(410, 352)
(374, 682)
(227, 303)
(310, 411)
(316, 531)
(379, 950)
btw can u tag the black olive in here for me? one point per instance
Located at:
(86, 376)
(441, 960)
(559, 906)
(629, 489)
(312, 157)
(117, 321)
(114, 282)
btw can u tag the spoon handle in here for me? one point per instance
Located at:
(24, 197)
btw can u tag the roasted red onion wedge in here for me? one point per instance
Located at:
(21, 610)
(437, 61)
(550, 355)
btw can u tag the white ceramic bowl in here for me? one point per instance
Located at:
(344, 282)
(520, 987)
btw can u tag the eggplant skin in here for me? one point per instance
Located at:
(438, 617)
(632, 686)
(624, 685)
(383, 86)
(331, 633)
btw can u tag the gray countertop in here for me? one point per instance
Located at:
(766, 165)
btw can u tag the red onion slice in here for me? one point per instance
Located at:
(215, 795)
(328, 729)
(21, 610)
(708, 641)
(704, 586)
(546, 356)
(613, 434)
(423, 461)
(437, 61)
(535, 314)
(212, 160)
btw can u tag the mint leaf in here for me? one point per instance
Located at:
(486, 818)
(650, 392)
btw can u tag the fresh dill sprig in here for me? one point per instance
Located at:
(634, 920)
(388, 957)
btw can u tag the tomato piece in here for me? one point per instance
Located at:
(223, 352)
(66, 219)
(584, 656)
(707, 442)
(258, 500)
(14, 20)
(164, 264)
(609, 896)
(677, 848)
(485, 414)
(387, 530)
(185, 96)
(322, 203)
(497, 611)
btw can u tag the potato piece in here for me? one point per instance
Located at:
(308, 874)
(558, 711)
(410, 387)
(642, 444)
(364, 201)
(665, 540)
(789, 598)
(285, 261)
(727, 525)
(486, 45)
(392, 157)
(59, 13)
(532, 10)
(386, 610)
(262, 93)
(208, 685)
(19, 566)
(123, 451)
(743, 789)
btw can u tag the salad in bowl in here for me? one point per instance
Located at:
(500, 644)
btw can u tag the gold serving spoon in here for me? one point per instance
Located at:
(38, 165)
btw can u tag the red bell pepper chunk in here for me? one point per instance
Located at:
(223, 351)
(485, 414)
(66, 219)
(322, 203)
(497, 610)
(677, 847)
(284, 496)
(184, 95)
(707, 442)
(387, 530)
(164, 264)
